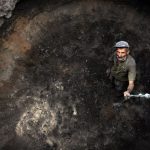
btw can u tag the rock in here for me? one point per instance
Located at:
(54, 93)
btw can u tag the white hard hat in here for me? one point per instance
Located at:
(122, 44)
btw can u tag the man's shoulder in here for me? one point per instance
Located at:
(131, 60)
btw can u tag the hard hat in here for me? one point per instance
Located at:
(122, 44)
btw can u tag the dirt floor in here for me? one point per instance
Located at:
(54, 93)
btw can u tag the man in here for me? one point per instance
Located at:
(123, 69)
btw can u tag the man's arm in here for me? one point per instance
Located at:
(131, 78)
(129, 88)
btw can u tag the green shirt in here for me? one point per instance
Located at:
(124, 71)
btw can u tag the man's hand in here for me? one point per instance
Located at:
(126, 94)
(129, 90)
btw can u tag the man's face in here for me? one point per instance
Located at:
(122, 53)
